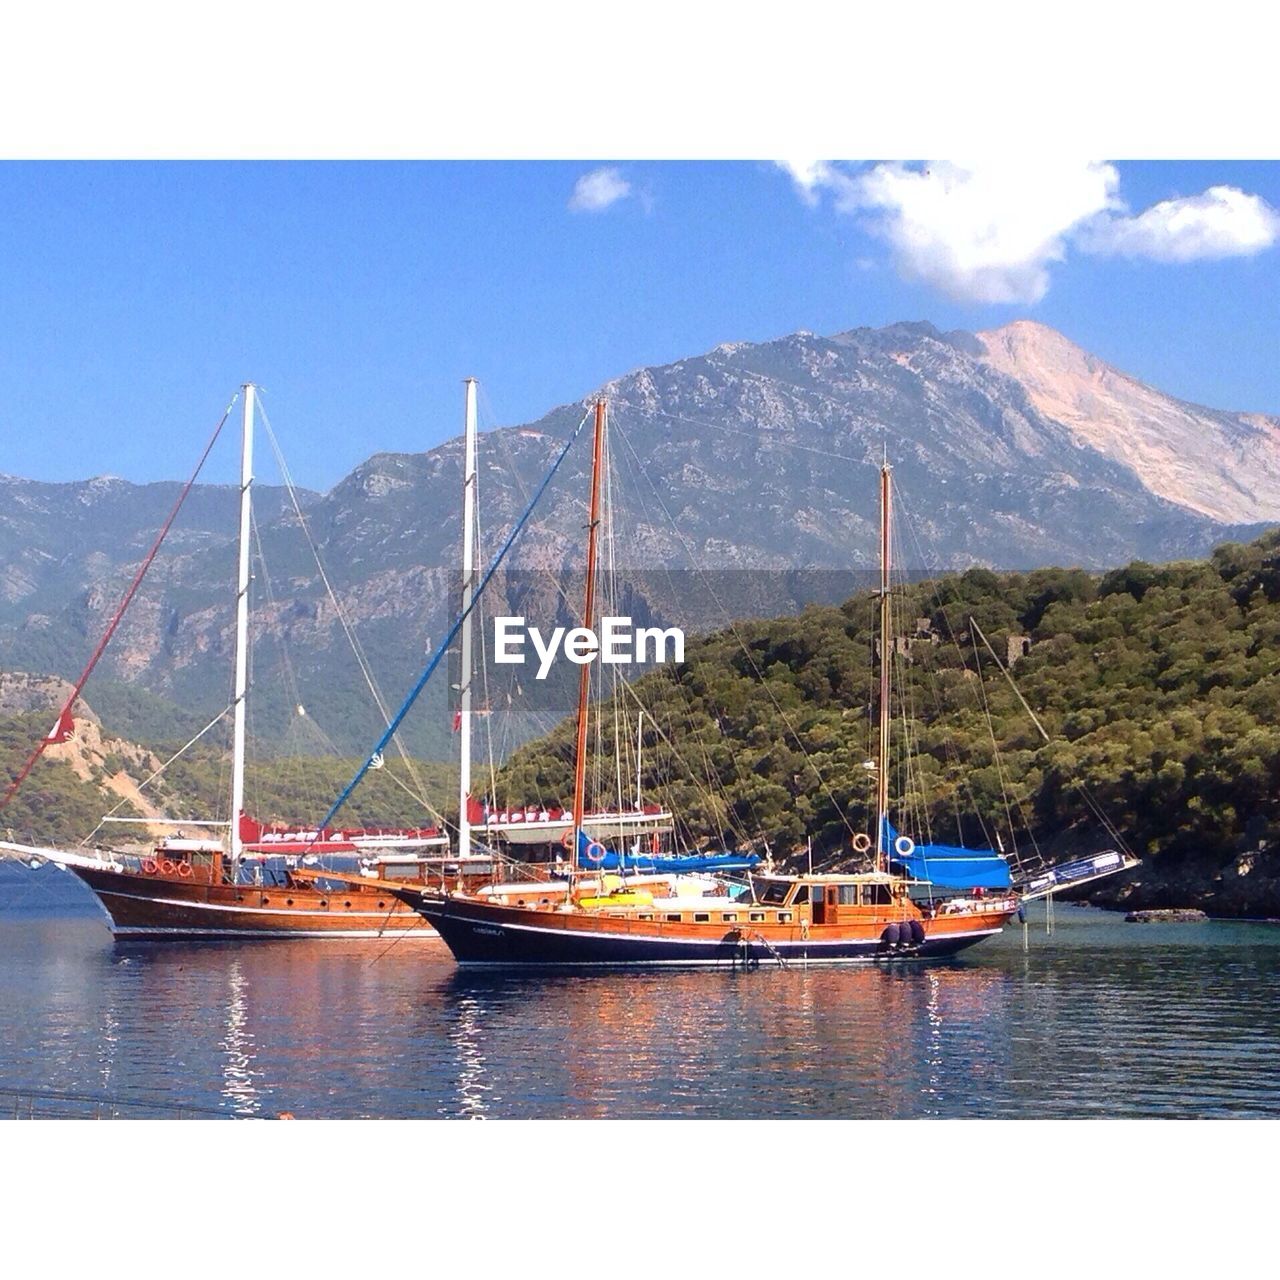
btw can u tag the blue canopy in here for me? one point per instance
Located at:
(610, 860)
(949, 866)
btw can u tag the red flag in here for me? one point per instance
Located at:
(63, 731)
(457, 721)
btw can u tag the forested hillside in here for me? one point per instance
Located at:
(1159, 687)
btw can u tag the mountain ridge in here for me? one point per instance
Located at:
(759, 456)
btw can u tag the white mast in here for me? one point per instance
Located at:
(242, 627)
(468, 590)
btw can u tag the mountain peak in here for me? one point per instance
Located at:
(1223, 465)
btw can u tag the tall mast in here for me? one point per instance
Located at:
(882, 770)
(241, 691)
(468, 592)
(588, 620)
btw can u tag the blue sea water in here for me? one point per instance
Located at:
(1101, 1018)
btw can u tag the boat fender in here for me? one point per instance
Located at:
(916, 929)
(890, 935)
(1022, 914)
(149, 866)
(595, 851)
(861, 842)
(904, 846)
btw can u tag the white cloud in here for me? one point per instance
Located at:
(598, 190)
(991, 233)
(1223, 222)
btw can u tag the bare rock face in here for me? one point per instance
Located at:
(1222, 465)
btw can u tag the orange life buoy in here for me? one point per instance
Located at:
(567, 839)
(149, 866)
(167, 868)
(184, 869)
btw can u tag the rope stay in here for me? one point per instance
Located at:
(62, 725)
(357, 649)
(452, 635)
(155, 773)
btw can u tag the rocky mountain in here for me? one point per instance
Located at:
(1011, 449)
(1223, 465)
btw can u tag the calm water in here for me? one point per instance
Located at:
(1101, 1019)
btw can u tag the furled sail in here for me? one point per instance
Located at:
(948, 866)
(594, 856)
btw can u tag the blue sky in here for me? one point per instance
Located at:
(137, 296)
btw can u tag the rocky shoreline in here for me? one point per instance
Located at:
(1248, 887)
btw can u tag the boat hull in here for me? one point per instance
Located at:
(142, 906)
(483, 935)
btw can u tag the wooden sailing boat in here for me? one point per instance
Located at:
(618, 920)
(249, 884)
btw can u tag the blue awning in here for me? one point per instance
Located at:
(606, 859)
(949, 866)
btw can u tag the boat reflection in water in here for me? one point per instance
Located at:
(822, 1041)
(1101, 1019)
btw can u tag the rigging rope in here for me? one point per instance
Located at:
(62, 725)
(356, 648)
(146, 782)
(443, 648)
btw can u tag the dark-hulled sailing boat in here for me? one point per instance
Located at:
(814, 918)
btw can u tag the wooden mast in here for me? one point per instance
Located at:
(588, 621)
(886, 640)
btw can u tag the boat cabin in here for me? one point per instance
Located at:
(832, 899)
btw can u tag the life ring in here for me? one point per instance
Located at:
(149, 866)
(595, 851)
(904, 846)
(861, 842)
(184, 869)
(567, 839)
(167, 868)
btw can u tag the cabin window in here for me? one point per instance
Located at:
(876, 895)
(729, 917)
(347, 904)
(702, 917)
(755, 915)
(775, 891)
(645, 915)
(675, 916)
(784, 917)
(802, 894)
(288, 902)
(848, 895)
